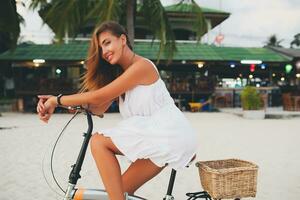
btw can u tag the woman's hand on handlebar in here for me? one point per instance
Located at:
(46, 107)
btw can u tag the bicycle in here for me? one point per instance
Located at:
(73, 193)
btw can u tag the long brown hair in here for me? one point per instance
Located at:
(99, 72)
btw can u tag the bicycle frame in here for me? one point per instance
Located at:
(73, 193)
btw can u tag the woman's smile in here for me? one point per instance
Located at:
(109, 57)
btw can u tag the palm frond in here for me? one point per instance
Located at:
(200, 22)
(296, 41)
(273, 41)
(65, 16)
(155, 14)
(35, 4)
(105, 10)
(10, 23)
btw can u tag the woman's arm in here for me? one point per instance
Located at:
(133, 76)
(138, 73)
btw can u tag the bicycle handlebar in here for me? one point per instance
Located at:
(81, 109)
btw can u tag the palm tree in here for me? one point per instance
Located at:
(67, 17)
(296, 40)
(273, 41)
(9, 25)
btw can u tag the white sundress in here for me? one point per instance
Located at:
(153, 127)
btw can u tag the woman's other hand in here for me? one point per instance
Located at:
(46, 107)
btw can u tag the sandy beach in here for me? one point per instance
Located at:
(273, 144)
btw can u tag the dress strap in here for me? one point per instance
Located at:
(153, 66)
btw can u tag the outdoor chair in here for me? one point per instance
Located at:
(195, 107)
(223, 101)
(287, 102)
(264, 98)
(198, 106)
(296, 100)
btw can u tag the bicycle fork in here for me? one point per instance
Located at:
(70, 192)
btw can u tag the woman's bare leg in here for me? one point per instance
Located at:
(138, 173)
(103, 151)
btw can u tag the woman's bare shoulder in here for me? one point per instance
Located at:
(143, 63)
(149, 72)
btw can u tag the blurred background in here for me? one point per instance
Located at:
(205, 50)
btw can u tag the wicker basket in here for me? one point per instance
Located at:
(231, 178)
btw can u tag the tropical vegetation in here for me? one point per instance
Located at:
(251, 99)
(66, 18)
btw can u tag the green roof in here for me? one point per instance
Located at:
(187, 8)
(187, 51)
(72, 51)
(196, 51)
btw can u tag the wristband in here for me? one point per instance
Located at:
(58, 99)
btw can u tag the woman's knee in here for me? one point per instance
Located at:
(97, 142)
(101, 142)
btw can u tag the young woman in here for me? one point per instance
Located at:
(153, 134)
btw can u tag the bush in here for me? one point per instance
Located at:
(251, 99)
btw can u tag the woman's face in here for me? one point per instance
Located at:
(112, 46)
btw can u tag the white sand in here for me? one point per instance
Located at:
(271, 144)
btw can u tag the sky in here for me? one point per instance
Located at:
(250, 24)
